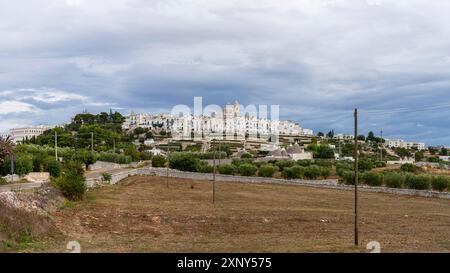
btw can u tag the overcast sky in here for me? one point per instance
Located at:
(317, 59)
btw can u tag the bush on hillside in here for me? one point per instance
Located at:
(341, 167)
(325, 172)
(284, 164)
(54, 168)
(115, 158)
(410, 168)
(204, 167)
(380, 164)
(440, 183)
(23, 164)
(418, 182)
(372, 179)
(72, 182)
(267, 170)
(247, 169)
(158, 161)
(313, 172)
(295, 172)
(185, 162)
(3, 181)
(227, 169)
(365, 165)
(394, 180)
(305, 163)
(348, 177)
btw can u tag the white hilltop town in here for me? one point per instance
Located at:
(281, 139)
(229, 124)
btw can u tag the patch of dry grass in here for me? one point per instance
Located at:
(143, 215)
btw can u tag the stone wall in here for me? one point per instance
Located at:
(329, 183)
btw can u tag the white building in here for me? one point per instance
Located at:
(344, 137)
(4, 134)
(445, 158)
(230, 123)
(400, 143)
(21, 134)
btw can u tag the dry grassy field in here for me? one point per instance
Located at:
(142, 215)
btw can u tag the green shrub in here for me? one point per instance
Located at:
(323, 163)
(247, 169)
(23, 164)
(72, 182)
(240, 161)
(372, 179)
(410, 168)
(115, 158)
(305, 163)
(3, 181)
(295, 172)
(284, 164)
(267, 170)
(341, 167)
(158, 161)
(440, 183)
(39, 162)
(394, 180)
(380, 164)
(365, 165)
(106, 177)
(348, 177)
(325, 172)
(227, 169)
(54, 168)
(246, 156)
(418, 182)
(313, 172)
(185, 162)
(204, 167)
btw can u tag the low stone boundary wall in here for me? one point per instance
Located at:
(327, 184)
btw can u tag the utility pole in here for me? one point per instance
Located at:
(214, 177)
(167, 166)
(114, 145)
(220, 151)
(56, 146)
(382, 145)
(356, 180)
(12, 163)
(92, 143)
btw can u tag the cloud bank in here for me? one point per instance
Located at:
(317, 59)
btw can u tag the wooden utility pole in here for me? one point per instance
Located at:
(220, 151)
(356, 180)
(214, 177)
(56, 146)
(382, 145)
(167, 166)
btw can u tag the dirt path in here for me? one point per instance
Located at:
(142, 215)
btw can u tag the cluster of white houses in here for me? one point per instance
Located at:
(400, 143)
(390, 143)
(230, 123)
